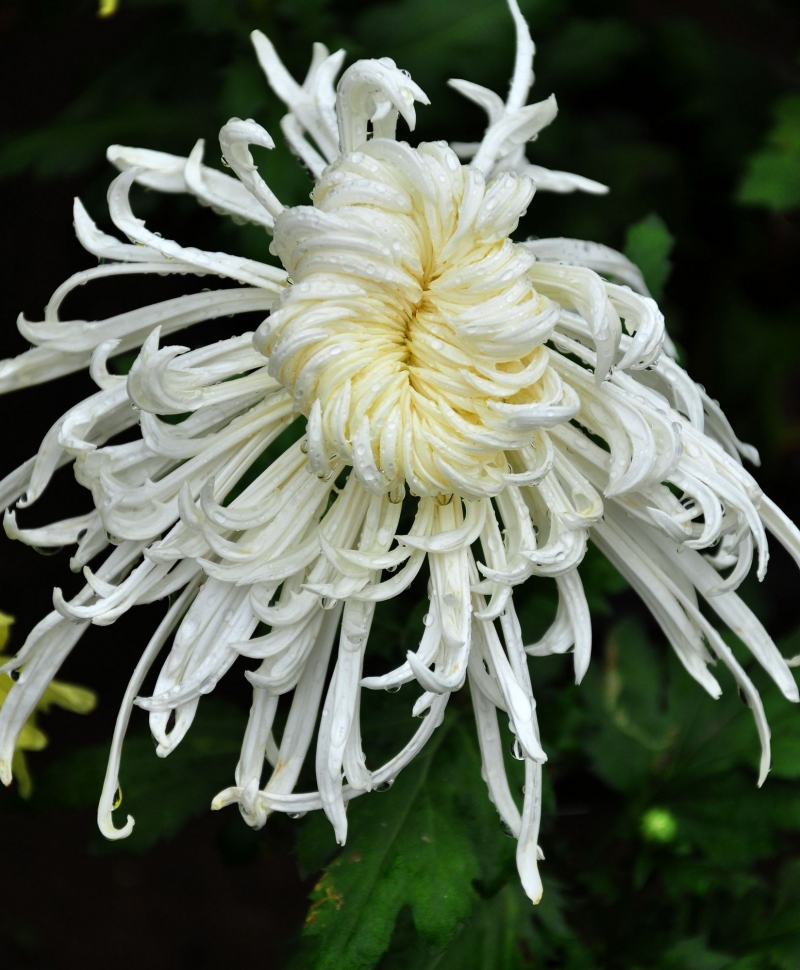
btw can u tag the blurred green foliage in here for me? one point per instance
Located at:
(661, 852)
(162, 795)
(648, 243)
(773, 174)
(423, 849)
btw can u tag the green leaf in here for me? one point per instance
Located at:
(784, 723)
(773, 173)
(421, 846)
(648, 244)
(627, 695)
(672, 751)
(500, 936)
(693, 954)
(161, 794)
(780, 934)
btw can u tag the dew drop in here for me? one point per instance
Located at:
(506, 829)
(384, 785)
(516, 750)
(295, 814)
(117, 798)
(393, 689)
(47, 550)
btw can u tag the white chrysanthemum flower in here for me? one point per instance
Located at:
(519, 402)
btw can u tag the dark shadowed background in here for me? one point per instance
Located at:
(661, 852)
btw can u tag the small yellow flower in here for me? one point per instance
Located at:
(32, 738)
(107, 8)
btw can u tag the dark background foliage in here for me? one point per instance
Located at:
(661, 853)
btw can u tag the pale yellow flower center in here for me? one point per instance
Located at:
(411, 335)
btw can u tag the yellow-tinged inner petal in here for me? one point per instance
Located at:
(412, 335)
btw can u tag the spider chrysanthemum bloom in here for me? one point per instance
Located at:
(515, 399)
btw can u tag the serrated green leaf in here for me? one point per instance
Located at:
(500, 936)
(421, 846)
(648, 244)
